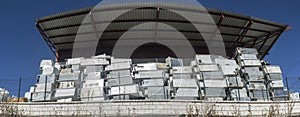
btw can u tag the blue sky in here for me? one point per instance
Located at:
(22, 47)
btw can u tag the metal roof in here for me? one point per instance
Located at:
(60, 30)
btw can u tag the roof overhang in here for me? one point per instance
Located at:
(59, 31)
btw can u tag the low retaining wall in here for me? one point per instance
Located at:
(152, 107)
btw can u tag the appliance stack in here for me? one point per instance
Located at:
(93, 84)
(251, 71)
(275, 82)
(4, 94)
(119, 83)
(43, 90)
(151, 79)
(205, 77)
(183, 86)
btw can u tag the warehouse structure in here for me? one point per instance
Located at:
(191, 61)
(87, 69)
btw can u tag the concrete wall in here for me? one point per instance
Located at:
(142, 108)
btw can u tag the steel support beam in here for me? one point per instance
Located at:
(95, 28)
(48, 42)
(156, 23)
(268, 37)
(220, 21)
(245, 18)
(262, 45)
(217, 27)
(261, 38)
(94, 25)
(116, 31)
(272, 45)
(128, 21)
(112, 40)
(243, 34)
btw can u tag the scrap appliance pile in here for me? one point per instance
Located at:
(207, 77)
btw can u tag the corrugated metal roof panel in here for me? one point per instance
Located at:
(269, 28)
(255, 33)
(234, 22)
(230, 30)
(61, 28)
(68, 21)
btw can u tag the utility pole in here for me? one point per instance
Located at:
(20, 82)
(287, 85)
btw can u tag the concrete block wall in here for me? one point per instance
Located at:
(156, 107)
